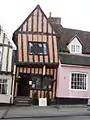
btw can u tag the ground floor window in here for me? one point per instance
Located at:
(78, 81)
(41, 82)
(3, 86)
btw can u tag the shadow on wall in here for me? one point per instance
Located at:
(71, 101)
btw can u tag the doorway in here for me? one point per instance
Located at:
(23, 85)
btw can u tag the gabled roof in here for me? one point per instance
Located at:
(7, 41)
(69, 59)
(37, 7)
(66, 34)
(75, 36)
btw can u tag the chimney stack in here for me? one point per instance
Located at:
(50, 14)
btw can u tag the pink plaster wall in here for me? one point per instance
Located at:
(63, 81)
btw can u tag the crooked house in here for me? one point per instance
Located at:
(51, 59)
(36, 56)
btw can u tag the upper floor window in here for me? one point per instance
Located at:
(75, 45)
(38, 48)
(75, 49)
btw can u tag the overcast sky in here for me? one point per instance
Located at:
(74, 13)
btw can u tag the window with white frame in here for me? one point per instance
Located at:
(3, 86)
(75, 48)
(78, 81)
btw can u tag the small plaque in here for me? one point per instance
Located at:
(30, 82)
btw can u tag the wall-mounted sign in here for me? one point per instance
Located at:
(30, 82)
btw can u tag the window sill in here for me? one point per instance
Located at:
(78, 90)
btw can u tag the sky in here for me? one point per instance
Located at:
(73, 13)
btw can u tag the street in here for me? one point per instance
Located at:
(56, 118)
(44, 113)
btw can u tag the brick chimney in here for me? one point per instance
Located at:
(50, 15)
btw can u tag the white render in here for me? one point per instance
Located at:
(75, 41)
(6, 67)
(10, 59)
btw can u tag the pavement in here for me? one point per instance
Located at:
(11, 112)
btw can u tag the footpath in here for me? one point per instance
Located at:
(45, 112)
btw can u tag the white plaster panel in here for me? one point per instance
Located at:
(1, 37)
(6, 41)
(4, 60)
(10, 60)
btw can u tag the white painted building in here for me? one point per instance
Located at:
(6, 82)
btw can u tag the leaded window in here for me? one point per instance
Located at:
(79, 81)
(37, 48)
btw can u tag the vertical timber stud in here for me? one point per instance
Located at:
(22, 44)
(7, 57)
(42, 37)
(32, 32)
(15, 81)
(37, 30)
(56, 83)
(27, 41)
(48, 43)
(53, 47)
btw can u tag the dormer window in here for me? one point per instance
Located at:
(75, 48)
(75, 45)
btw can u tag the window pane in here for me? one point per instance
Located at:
(30, 48)
(38, 81)
(40, 48)
(1, 81)
(4, 81)
(77, 48)
(35, 48)
(44, 49)
(73, 48)
(4, 88)
(47, 82)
